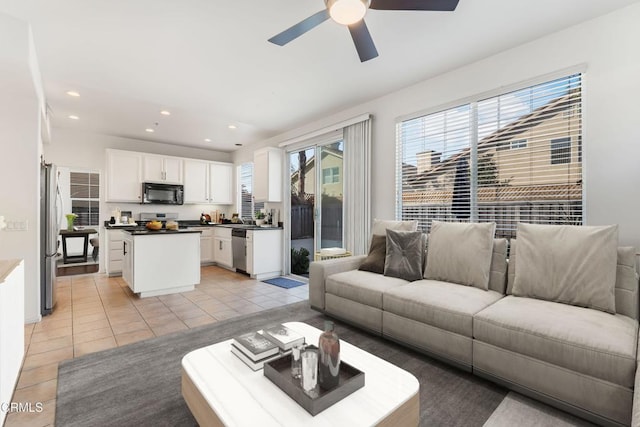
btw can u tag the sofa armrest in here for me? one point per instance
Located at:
(320, 270)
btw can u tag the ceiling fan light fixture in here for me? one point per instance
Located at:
(347, 12)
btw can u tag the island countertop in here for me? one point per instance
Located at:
(147, 232)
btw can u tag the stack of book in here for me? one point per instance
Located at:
(254, 349)
(285, 338)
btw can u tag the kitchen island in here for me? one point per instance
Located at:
(161, 262)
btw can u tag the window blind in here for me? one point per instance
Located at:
(247, 205)
(515, 157)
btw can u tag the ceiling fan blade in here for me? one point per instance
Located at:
(363, 41)
(436, 5)
(300, 28)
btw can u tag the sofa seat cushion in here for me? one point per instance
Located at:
(361, 286)
(584, 340)
(444, 305)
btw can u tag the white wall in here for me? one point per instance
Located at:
(19, 159)
(611, 146)
(83, 150)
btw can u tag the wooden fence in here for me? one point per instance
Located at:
(302, 222)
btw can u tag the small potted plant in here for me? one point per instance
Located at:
(260, 218)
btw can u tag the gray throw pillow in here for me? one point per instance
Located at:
(460, 253)
(405, 252)
(374, 262)
(569, 264)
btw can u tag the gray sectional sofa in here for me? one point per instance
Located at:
(582, 360)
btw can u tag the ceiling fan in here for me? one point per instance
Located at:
(351, 13)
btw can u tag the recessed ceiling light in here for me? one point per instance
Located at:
(238, 145)
(149, 130)
(73, 117)
(73, 93)
(232, 127)
(207, 140)
(165, 113)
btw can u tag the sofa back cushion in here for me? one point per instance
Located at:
(626, 279)
(498, 274)
(569, 264)
(380, 226)
(460, 253)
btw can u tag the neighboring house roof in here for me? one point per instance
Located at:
(528, 193)
(508, 132)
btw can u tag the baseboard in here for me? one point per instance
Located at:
(548, 400)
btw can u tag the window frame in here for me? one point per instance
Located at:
(560, 155)
(254, 205)
(90, 200)
(578, 72)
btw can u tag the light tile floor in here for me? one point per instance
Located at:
(95, 312)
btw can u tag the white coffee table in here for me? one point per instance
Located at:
(221, 390)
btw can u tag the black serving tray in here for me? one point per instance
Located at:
(279, 372)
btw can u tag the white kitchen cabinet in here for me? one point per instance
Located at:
(222, 249)
(124, 176)
(11, 329)
(161, 263)
(196, 181)
(264, 253)
(208, 182)
(206, 244)
(267, 175)
(220, 183)
(114, 251)
(127, 259)
(162, 169)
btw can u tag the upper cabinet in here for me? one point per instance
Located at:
(124, 176)
(208, 182)
(162, 169)
(220, 183)
(205, 182)
(267, 175)
(196, 181)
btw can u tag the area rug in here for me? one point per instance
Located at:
(284, 282)
(139, 384)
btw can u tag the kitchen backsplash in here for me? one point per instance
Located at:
(185, 212)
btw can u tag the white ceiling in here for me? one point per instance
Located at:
(209, 63)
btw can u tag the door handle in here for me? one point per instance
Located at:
(220, 244)
(124, 248)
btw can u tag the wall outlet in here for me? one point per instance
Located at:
(17, 225)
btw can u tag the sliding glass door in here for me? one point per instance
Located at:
(316, 202)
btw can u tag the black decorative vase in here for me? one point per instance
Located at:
(329, 357)
(112, 220)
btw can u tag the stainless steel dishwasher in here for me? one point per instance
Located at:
(239, 245)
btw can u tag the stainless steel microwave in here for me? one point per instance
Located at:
(162, 194)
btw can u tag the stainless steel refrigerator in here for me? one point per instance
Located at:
(50, 216)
